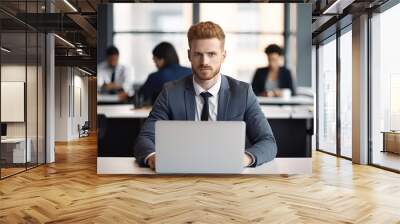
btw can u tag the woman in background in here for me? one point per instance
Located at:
(167, 62)
(269, 81)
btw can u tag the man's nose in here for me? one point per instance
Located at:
(205, 60)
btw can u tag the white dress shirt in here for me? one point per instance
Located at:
(212, 100)
(123, 77)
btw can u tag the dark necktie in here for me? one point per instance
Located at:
(205, 111)
(113, 76)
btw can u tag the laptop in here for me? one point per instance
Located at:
(211, 147)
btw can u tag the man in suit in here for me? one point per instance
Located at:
(208, 95)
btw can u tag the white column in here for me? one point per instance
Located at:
(360, 90)
(50, 98)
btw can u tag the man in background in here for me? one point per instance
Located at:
(114, 78)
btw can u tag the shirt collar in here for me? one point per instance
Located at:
(213, 90)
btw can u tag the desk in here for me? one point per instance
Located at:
(13, 150)
(391, 141)
(119, 125)
(108, 99)
(295, 100)
(123, 111)
(270, 112)
(127, 165)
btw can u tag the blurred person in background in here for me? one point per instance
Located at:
(168, 69)
(269, 81)
(114, 78)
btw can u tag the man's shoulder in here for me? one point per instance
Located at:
(236, 84)
(102, 65)
(177, 84)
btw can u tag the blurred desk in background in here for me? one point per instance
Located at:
(295, 100)
(108, 99)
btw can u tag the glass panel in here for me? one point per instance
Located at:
(31, 98)
(346, 94)
(41, 98)
(247, 17)
(327, 96)
(385, 86)
(13, 86)
(244, 51)
(242, 57)
(138, 57)
(152, 17)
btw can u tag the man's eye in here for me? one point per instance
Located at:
(212, 54)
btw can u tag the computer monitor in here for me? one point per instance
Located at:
(3, 129)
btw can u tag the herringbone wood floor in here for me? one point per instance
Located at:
(70, 191)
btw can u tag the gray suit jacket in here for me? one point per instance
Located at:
(236, 102)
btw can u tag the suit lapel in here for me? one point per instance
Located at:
(223, 99)
(190, 101)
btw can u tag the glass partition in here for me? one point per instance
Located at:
(346, 94)
(22, 77)
(385, 89)
(327, 96)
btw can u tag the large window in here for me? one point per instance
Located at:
(249, 28)
(327, 96)
(346, 93)
(138, 28)
(385, 84)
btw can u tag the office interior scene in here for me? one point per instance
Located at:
(98, 124)
(159, 29)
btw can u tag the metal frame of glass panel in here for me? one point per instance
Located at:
(334, 37)
(31, 30)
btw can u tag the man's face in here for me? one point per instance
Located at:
(274, 61)
(206, 57)
(112, 60)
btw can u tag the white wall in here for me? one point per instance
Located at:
(71, 103)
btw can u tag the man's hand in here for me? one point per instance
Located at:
(151, 162)
(112, 86)
(247, 160)
(122, 96)
(273, 93)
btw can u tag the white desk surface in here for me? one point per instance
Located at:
(107, 98)
(13, 140)
(127, 165)
(271, 112)
(123, 111)
(299, 100)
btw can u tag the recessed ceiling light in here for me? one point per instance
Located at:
(70, 5)
(64, 40)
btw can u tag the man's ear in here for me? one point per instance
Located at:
(188, 51)
(223, 55)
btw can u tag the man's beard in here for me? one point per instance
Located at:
(216, 72)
